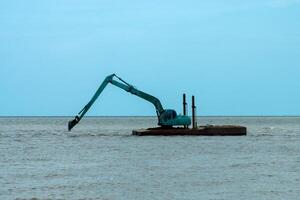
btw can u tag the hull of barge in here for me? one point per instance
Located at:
(209, 130)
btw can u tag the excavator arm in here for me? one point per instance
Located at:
(129, 88)
(123, 85)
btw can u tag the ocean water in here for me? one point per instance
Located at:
(100, 159)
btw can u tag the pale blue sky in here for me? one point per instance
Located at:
(236, 57)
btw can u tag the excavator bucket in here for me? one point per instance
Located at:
(73, 122)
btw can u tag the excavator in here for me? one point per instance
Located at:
(166, 117)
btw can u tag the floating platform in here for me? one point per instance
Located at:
(208, 130)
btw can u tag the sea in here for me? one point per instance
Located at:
(100, 159)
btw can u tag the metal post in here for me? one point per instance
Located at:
(184, 107)
(184, 104)
(194, 123)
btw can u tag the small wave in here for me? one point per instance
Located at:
(261, 134)
(96, 135)
(273, 131)
(268, 129)
(246, 165)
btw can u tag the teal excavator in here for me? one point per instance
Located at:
(166, 117)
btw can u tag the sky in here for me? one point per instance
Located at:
(236, 57)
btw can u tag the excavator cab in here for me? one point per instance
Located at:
(168, 114)
(170, 118)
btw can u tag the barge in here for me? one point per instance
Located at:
(207, 130)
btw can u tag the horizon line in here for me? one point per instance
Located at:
(90, 116)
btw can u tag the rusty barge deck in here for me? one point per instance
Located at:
(208, 130)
